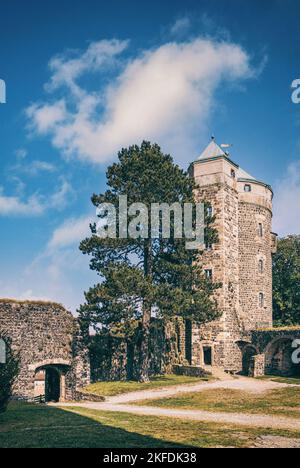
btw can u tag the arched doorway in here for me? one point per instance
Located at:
(188, 341)
(279, 358)
(52, 385)
(49, 382)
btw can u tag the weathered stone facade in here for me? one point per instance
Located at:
(52, 356)
(117, 359)
(241, 261)
(278, 355)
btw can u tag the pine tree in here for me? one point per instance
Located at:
(145, 276)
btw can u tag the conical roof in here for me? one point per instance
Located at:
(213, 150)
(244, 175)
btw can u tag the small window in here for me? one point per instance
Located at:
(2, 351)
(208, 274)
(207, 355)
(247, 188)
(233, 173)
(261, 266)
(261, 300)
(260, 230)
(209, 211)
(208, 246)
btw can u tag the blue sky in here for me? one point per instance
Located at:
(86, 78)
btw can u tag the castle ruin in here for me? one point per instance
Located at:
(54, 363)
(241, 261)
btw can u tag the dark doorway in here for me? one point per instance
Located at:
(248, 354)
(130, 361)
(207, 355)
(188, 341)
(52, 385)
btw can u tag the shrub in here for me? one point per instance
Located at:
(8, 373)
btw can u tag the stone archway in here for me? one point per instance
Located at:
(49, 382)
(279, 358)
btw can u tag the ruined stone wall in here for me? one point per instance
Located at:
(45, 334)
(274, 348)
(116, 359)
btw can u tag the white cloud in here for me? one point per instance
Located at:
(21, 153)
(60, 199)
(71, 232)
(164, 94)
(33, 168)
(11, 205)
(286, 202)
(36, 204)
(66, 274)
(65, 69)
(46, 117)
(28, 295)
(181, 26)
(40, 166)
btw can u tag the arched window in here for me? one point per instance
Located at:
(261, 300)
(261, 266)
(2, 351)
(260, 230)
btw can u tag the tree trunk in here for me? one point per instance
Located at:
(145, 340)
(144, 351)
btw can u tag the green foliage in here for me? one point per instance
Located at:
(41, 426)
(8, 374)
(106, 389)
(141, 276)
(286, 282)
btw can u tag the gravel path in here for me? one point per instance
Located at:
(240, 419)
(120, 404)
(241, 383)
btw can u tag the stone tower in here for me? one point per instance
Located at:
(241, 260)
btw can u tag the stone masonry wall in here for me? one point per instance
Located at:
(235, 261)
(115, 359)
(252, 249)
(45, 334)
(223, 260)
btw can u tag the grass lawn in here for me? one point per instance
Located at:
(284, 401)
(32, 426)
(118, 388)
(287, 380)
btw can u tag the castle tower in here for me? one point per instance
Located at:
(241, 260)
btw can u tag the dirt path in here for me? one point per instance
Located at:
(120, 404)
(241, 383)
(240, 419)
